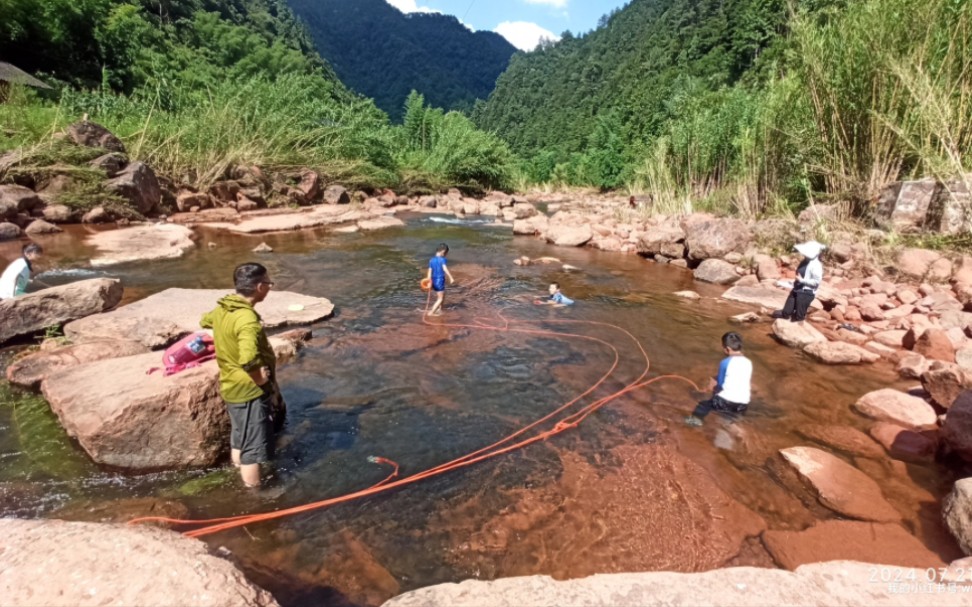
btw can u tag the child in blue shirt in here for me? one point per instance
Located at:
(556, 297)
(731, 390)
(437, 274)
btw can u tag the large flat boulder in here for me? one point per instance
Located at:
(716, 238)
(52, 563)
(160, 319)
(835, 583)
(839, 353)
(316, 217)
(842, 438)
(840, 486)
(796, 334)
(716, 271)
(567, 235)
(30, 370)
(140, 243)
(957, 512)
(35, 312)
(890, 405)
(125, 417)
(765, 297)
(888, 544)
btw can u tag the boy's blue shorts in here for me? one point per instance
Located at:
(438, 284)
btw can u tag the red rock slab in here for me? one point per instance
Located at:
(835, 540)
(843, 438)
(840, 486)
(904, 444)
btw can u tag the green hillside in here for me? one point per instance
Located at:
(384, 54)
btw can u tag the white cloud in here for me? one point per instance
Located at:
(553, 3)
(524, 35)
(409, 6)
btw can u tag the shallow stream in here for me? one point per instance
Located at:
(631, 489)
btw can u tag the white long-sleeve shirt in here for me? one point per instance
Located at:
(13, 281)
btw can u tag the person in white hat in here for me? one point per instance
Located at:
(809, 275)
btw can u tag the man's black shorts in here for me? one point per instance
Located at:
(252, 429)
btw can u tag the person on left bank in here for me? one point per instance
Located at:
(14, 280)
(247, 367)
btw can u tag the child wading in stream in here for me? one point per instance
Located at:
(438, 271)
(731, 387)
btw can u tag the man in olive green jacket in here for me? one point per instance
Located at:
(246, 369)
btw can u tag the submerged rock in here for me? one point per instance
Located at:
(52, 563)
(903, 443)
(35, 312)
(141, 243)
(840, 486)
(834, 540)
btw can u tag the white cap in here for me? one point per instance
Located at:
(810, 249)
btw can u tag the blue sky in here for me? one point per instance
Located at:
(522, 22)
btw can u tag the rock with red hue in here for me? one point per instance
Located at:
(933, 344)
(871, 312)
(849, 540)
(31, 370)
(912, 365)
(524, 210)
(764, 297)
(892, 339)
(940, 302)
(716, 271)
(9, 231)
(839, 353)
(957, 429)
(224, 192)
(336, 194)
(852, 337)
(137, 184)
(54, 306)
(244, 204)
(39, 226)
(125, 418)
(904, 444)
(118, 564)
(902, 311)
(667, 238)
(766, 268)
(111, 163)
(715, 238)
(380, 223)
(16, 199)
(915, 264)
(957, 513)
(945, 382)
(843, 438)
(186, 199)
(840, 486)
(963, 358)
(566, 235)
(93, 135)
(796, 334)
(310, 186)
(906, 296)
(749, 280)
(890, 405)
(96, 215)
(881, 350)
(140, 243)
(940, 270)
(58, 213)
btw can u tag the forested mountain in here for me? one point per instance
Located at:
(124, 45)
(384, 54)
(633, 69)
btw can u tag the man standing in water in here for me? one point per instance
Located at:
(246, 369)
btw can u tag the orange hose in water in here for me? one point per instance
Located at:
(500, 447)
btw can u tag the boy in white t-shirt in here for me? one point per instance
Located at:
(731, 387)
(14, 280)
